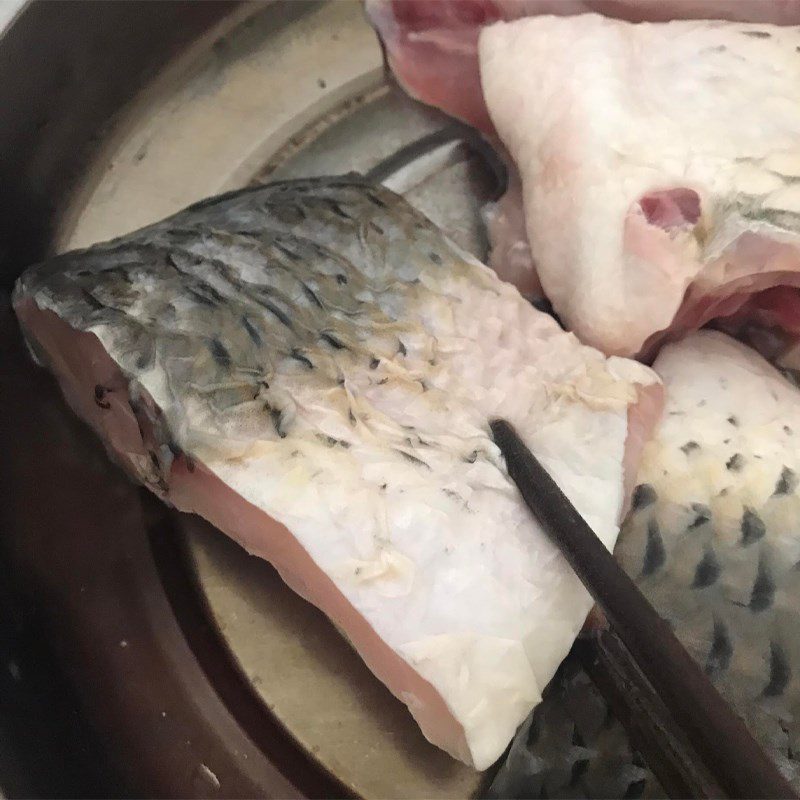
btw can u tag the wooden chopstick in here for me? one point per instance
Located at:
(638, 707)
(718, 735)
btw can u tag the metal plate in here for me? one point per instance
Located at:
(294, 89)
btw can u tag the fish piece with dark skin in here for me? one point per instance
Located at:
(729, 582)
(722, 569)
(311, 365)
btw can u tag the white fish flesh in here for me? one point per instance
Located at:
(311, 365)
(432, 45)
(658, 164)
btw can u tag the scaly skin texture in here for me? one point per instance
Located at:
(712, 542)
(713, 535)
(324, 357)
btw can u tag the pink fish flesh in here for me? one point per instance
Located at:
(652, 201)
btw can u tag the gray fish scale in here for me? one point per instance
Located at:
(573, 747)
(712, 540)
(748, 649)
(729, 586)
(738, 619)
(283, 273)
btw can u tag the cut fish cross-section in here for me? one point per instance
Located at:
(659, 166)
(657, 160)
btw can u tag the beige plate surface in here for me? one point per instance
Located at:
(286, 89)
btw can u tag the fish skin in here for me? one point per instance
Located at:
(726, 513)
(319, 351)
(572, 746)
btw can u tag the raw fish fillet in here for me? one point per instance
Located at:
(658, 162)
(311, 365)
(659, 166)
(432, 45)
(713, 542)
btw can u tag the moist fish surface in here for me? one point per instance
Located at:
(712, 541)
(658, 162)
(311, 365)
(432, 45)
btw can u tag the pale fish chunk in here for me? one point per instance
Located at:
(658, 165)
(311, 365)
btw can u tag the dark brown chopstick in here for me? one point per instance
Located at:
(718, 735)
(647, 721)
